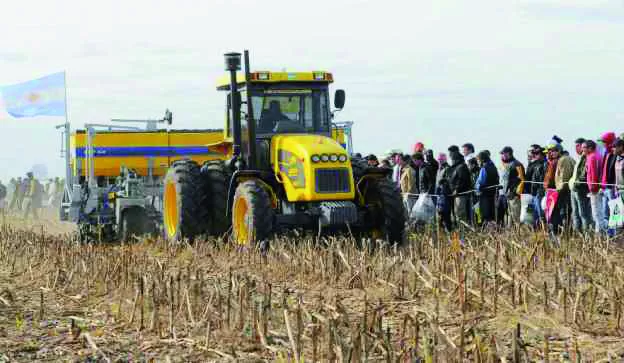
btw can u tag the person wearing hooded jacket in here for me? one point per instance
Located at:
(460, 185)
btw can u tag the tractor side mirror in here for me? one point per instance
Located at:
(339, 99)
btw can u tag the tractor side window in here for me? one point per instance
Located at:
(324, 111)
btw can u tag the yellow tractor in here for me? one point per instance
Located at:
(281, 168)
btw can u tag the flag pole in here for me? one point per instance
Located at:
(68, 172)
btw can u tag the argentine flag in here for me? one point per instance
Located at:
(40, 97)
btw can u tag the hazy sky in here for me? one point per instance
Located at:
(491, 72)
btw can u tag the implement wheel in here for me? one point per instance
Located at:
(215, 181)
(133, 224)
(183, 214)
(252, 215)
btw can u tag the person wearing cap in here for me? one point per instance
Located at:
(486, 185)
(418, 147)
(581, 207)
(593, 166)
(372, 161)
(512, 179)
(609, 192)
(536, 170)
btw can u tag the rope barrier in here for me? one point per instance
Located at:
(498, 186)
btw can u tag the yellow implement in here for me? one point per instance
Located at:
(138, 150)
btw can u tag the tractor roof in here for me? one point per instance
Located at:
(223, 83)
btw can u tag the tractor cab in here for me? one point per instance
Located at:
(280, 103)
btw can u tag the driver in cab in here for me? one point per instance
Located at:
(270, 117)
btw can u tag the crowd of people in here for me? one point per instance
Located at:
(27, 197)
(552, 189)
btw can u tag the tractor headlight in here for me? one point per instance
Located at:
(342, 158)
(333, 158)
(315, 158)
(324, 158)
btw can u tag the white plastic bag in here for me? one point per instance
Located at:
(526, 209)
(616, 213)
(424, 210)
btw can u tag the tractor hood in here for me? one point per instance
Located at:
(312, 167)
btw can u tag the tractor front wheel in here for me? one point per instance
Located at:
(252, 214)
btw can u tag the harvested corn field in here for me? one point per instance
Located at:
(484, 297)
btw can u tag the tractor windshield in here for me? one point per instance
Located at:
(290, 110)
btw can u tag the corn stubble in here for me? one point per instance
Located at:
(487, 297)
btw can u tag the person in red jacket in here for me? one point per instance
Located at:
(593, 164)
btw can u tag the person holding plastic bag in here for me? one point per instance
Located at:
(424, 210)
(486, 186)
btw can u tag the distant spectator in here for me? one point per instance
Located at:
(461, 187)
(468, 150)
(619, 166)
(536, 171)
(419, 147)
(581, 206)
(443, 167)
(609, 192)
(372, 161)
(486, 185)
(408, 182)
(512, 179)
(427, 173)
(593, 166)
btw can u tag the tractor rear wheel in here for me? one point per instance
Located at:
(184, 216)
(252, 214)
(215, 181)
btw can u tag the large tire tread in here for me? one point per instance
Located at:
(259, 203)
(192, 220)
(215, 184)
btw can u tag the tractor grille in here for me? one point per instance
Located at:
(333, 180)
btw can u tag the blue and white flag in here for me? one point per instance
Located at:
(40, 97)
